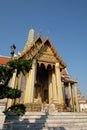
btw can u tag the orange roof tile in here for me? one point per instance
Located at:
(4, 60)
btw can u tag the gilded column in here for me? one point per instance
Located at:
(58, 83)
(19, 85)
(63, 92)
(76, 97)
(12, 85)
(33, 77)
(70, 93)
(23, 86)
(27, 89)
(50, 86)
(54, 87)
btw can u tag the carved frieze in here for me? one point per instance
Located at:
(46, 54)
(43, 51)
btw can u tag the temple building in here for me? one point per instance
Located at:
(48, 80)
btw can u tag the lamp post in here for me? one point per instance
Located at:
(13, 47)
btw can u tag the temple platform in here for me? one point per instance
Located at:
(32, 107)
(47, 121)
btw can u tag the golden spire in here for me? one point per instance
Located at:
(30, 37)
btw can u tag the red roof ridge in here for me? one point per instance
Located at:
(4, 59)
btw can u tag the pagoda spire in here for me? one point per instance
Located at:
(30, 37)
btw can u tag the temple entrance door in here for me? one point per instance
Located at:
(46, 95)
(41, 85)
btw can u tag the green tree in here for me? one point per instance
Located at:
(6, 72)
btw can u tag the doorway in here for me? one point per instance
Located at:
(46, 95)
(41, 85)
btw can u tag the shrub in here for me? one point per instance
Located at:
(18, 109)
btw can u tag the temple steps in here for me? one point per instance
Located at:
(48, 121)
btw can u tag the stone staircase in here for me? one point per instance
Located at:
(47, 121)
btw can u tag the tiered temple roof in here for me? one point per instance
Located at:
(37, 46)
(66, 77)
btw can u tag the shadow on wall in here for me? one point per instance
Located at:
(14, 122)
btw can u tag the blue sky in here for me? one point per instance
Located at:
(63, 21)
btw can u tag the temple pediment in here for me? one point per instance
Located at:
(43, 51)
(46, 54)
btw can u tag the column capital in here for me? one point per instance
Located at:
(69, 84)
(34, 61)
(57, 64)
